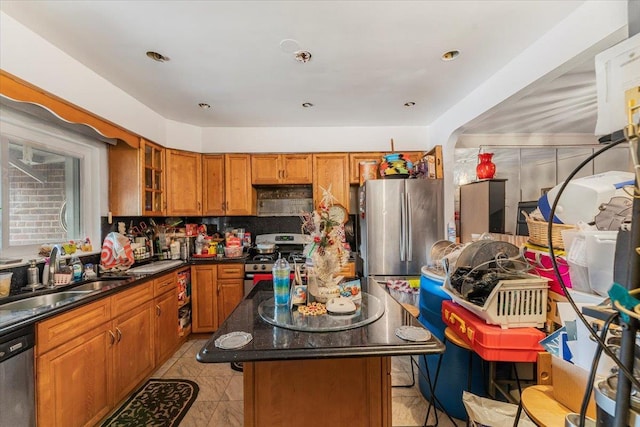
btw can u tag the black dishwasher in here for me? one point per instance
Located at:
(17, 395)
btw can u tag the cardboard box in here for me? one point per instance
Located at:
(569, 384)
(553, 298)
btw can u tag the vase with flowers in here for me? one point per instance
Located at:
(326, 250)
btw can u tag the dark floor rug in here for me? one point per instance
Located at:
(158, 403)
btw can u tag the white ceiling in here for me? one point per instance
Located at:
(369, 58)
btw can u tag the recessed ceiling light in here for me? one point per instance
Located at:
(307, 105)
(409, 104)
(204, 105)
(451, 55)
(302, 56)
(157, 56)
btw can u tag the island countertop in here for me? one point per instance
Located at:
(276, 343)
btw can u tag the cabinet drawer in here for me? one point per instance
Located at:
(165, 283)
(230, 271)
(60, 329)
(126, 301)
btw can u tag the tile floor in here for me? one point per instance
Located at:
(219, 401)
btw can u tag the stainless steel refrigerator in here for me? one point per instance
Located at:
(400, 219)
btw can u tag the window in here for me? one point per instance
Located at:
(50, 187)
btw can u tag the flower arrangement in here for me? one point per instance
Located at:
(326, 249)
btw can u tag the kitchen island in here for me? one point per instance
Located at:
(294, 377)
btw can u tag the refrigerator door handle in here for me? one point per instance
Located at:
(403, 227)
(409, 229)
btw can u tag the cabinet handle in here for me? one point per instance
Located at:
(199, 206)
(113, 338)
(119, 334)
(158, 311)
(218, 290)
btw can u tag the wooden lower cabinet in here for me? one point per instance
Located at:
(204, 314)
(74, 381)
(90, 358)
(133, 351)
(216, 290)
(350, 391)
(166, 321)
(230, 293)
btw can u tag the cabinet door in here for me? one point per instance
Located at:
(239, 194)
(354, 164)
(166, 325)
(265, 169)
(230, 293)
(331, 171)
(152, 162)
(134, 349)
(126, 187)
(213, 184)
(297, 169)
(348, 270)
(204, 298)
(184, 183)
(73, 386)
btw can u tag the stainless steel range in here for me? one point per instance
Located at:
(288, 245)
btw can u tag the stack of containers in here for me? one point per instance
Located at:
(590, 256)
(454, 370)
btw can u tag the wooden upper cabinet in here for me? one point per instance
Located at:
(267, 169)
(137, 179)
(331, 171)
(184, 183)
(213, 184)
(240, 197)
(354, 164)
(153, 178)
(297, 168)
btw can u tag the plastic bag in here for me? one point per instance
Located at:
(484, 412)
(116, 254)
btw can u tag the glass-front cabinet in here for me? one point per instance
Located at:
(153, 164)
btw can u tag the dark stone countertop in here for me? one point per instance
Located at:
(13, 320)
(275, 343)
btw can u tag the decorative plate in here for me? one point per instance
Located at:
(233, 340)
(413, 333)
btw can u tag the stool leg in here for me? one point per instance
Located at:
(432, 389)
(518, 412)
(469, 379)
(413, 376)
(434, 402)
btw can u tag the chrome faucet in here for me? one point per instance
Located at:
(56, 251)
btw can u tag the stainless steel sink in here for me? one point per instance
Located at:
(49, 301)
(96, 285)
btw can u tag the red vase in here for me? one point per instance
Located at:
(485, 169)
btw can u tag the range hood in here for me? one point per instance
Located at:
(284, 200)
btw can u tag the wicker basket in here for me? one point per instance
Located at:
(538, 232)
